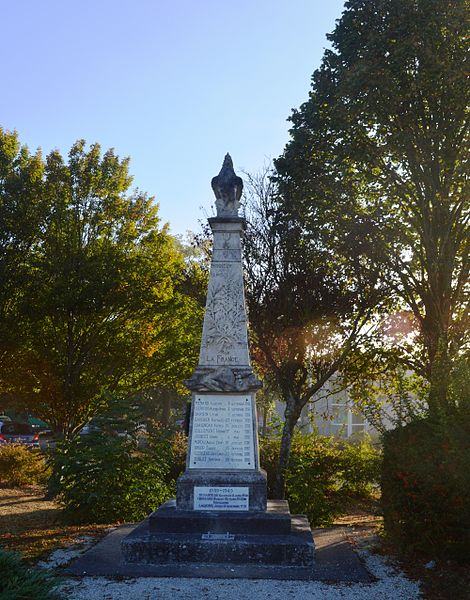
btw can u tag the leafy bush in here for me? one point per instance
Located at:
(20, 465)
(179, 447)
(360, 463)
(103, 478)
(18, 582)
(324, 474)
(426, 487)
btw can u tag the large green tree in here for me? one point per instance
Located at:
(310, 310)
(103, 311)
(22, 216)
(380, 153)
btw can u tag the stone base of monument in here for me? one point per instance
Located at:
(253, 482)
(271, 538)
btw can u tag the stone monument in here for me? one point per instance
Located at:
(221, 514)
(223, 442)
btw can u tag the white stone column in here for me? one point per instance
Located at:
(223, 458)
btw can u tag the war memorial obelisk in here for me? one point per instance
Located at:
(221, 524)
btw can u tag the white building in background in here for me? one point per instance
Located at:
(333, 415)
(336, 415)
(332, 412)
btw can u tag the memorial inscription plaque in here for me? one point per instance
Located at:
(221, 498)
(222, 432)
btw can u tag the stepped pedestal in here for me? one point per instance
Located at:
(258, 539)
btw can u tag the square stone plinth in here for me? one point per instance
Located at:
(253, 481)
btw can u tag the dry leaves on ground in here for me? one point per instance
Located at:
(33, 526)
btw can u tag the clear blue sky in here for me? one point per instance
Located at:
(174, 84)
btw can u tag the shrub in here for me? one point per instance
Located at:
(426, 487)
(324, 474)
(18, 581)
(313, 479)
(20, 465)
(361, 466)
(179, 448)
(105, 479)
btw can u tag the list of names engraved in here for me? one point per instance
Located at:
(222, 433)
(221, 498)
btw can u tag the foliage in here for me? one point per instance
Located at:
(164, 405)
(19, 581)
(266, 401)
(22, 466)
(379, 156)
(105, 304)
(426, 488)
(324, 475)
(179, 446)
(391, 398)
(104, 478)
(459, 388)
(309, 310)
(22, 210)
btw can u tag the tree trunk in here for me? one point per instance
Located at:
(166, 408)
(291, 416)
(440, 380)
(265, 421)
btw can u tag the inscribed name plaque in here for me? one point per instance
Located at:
(222, 432)
(221, 498)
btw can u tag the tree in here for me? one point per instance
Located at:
(309, 310)
(22, 214)
(381, 149)
(103, 310)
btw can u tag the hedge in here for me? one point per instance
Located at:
(426, 488)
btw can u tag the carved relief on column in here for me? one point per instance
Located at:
(224, 338)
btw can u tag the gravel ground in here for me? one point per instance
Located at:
(391, 584)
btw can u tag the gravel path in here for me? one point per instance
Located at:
(391, 584)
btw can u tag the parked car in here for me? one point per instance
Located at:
(89, 428)
(18, 433)
(3, 418)
(38, 424)
(46, 439)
